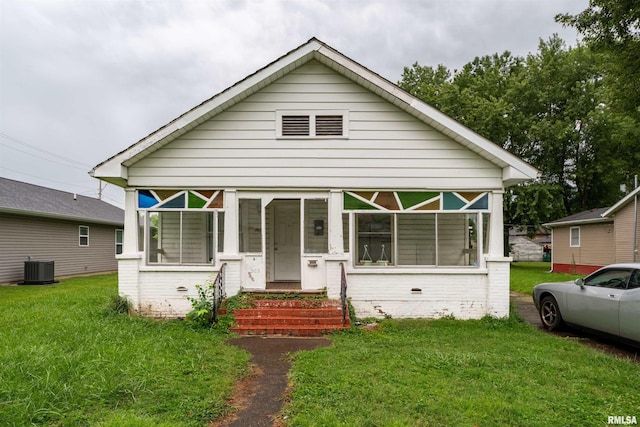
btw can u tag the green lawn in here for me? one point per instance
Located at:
(66, 360)
(459, 373)
(525, 275)
(485, 372)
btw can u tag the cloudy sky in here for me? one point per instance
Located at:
(81, 80)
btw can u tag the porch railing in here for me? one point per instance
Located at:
(343, 295)
(218, 293)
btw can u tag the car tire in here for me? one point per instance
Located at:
(550, 313)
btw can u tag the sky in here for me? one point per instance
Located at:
(81, 80)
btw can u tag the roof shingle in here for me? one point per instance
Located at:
(30, 199)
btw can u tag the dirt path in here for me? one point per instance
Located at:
(259, 398)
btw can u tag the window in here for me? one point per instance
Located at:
(316, 237)
(83, 236)
(119, 241)
(424, 239)
(574, 237)
(616, 279)
(374, 237)
(250, 225)
(326, 124)
(181, 237)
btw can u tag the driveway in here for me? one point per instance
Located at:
(523, 304)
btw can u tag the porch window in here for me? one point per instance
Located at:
(180, 237)
(417, 239)
(429, 239)
(574, 237)
(316, 215)
(374, 235)
(250, 225)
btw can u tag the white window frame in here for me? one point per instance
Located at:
(81, 235)
(312, 123)
(121, 243)
(212, 236)
(571, 236)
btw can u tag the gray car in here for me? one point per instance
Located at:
(607, 300)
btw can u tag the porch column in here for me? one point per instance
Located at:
(129, 260)
(231, 222)
(335, 223)
(130, 238)
(496, 226)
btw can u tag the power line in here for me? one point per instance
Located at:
(44, 158)
(33, 147)
(47, 179)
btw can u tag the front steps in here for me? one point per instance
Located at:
(291, 317)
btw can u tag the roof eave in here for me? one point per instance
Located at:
(116, 166)
(578, 222)
(514, 169)
(622, 202)
(60, 216)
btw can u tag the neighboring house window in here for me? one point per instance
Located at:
(83, 235)
(574, 237)
(181, 236)
(325, 124)
(119, 241)
(418, 239)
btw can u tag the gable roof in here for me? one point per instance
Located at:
(515, 170)
(27, 199)
(585, 217)
(622, 202)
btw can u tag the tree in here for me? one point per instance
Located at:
(546, 108)
(611, 28)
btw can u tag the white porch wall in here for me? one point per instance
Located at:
(461, 293)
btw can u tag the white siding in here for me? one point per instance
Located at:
(386, 148)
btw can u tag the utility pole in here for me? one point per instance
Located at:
(635, 219)
(100, 188)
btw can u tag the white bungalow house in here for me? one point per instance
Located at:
(312, 163)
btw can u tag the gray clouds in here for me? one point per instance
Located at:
(86, 78)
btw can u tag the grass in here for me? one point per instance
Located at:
(525, 275)
(67, 359)
(489, 372)
(485, 372)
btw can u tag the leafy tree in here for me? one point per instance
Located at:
(546, 108)
(611, 28)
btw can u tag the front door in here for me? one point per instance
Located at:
(286, 240)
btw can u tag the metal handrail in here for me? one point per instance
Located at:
(218, 293)
(343, 295)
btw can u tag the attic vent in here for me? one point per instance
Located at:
(309, 124)
(295, 125)
(328, 125)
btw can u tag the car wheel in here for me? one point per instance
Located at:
(550, 313)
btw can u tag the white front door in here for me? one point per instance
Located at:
(286, 240)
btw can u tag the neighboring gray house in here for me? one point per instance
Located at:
(80, 234)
